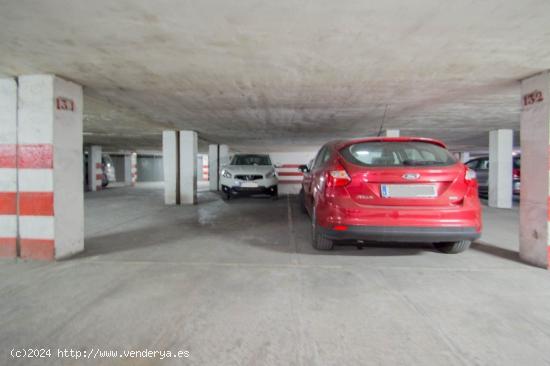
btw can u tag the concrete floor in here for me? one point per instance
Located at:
(237, 283)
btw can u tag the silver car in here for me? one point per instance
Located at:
(249, 174)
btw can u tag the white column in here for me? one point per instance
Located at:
(50, 171)
(179, 156)
(170, 161)
(392, 133)
(8, 171)
(188, 167)
(213, 168)
(500, 168)
(224, 159)
(535, 188)
(199, 167)
(464, 156)
(130, 169)
(95, 168)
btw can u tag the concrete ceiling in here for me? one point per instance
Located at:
(272, 75)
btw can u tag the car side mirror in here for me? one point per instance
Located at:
(303, 168)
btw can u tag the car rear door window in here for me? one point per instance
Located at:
(397, 153)
(483, 164)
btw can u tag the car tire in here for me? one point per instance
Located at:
(454, 247)
(319, 242)
(275, 194)
(303, 201)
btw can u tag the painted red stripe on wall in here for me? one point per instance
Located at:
(7, 248)
(38, 156)
(36, 204)
(98, 166)
(7, 156)
(8, 203)
(289, 166)
(38, 249)
(99, 176)
(296, 174)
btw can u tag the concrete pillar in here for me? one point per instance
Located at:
(188, 167)
(205, 167)
(95, 168)
(130, 169)
(500, 168)
(170, 161)
(49, 167)
(199, 167)
(392, 133)
(179, 149)
(213, 168)
(8, 171)
(224, 159)
(535, 188)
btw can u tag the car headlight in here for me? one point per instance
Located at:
(270, 174)
(226, 174)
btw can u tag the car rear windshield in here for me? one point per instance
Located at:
(390, 153)
(251, 160)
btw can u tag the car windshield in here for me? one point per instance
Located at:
(251, 160)
(517, 162)
(394, 153)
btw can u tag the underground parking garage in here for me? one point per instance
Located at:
(267, 183)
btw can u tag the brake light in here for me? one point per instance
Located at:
(338, 177)
(470, 175)
(340, 228)
(516, 173)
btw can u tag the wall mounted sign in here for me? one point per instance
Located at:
(64, 104)
(532, 98)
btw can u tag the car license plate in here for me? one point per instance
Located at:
(249, 185)
(408, 190)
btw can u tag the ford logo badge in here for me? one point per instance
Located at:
(411, 176)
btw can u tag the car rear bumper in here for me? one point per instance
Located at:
(402, 234)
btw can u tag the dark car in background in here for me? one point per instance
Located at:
(481, 167)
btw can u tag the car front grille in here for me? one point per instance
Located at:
(249, 177)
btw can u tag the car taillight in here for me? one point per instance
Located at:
(338, 177)
(516, 173)
(470, 175)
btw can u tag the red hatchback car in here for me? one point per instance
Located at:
(391, 189)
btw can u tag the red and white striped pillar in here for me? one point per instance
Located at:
(130, 169)
(49, 167)
(133, 169)
(535, 178)
(95, 168)
(8, 171)
(205, 167)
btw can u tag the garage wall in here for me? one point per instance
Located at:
(286, 163)
(149, 168)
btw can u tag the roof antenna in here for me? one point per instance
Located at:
(383, 119)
